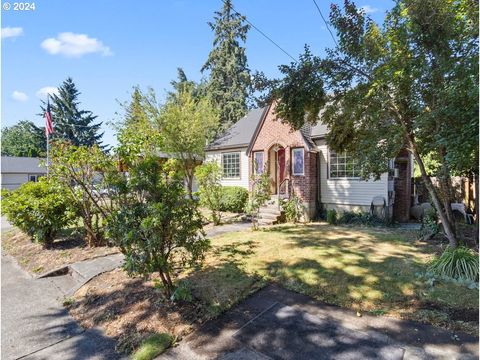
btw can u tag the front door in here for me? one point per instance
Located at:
(281, 165)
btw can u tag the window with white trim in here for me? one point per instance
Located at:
(258, 162)
(33, 178)
(231, 165)
(343, 166)
(298, 161)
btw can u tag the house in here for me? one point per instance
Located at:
(300, 162)
(17, 170)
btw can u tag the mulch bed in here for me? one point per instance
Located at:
(35, 259)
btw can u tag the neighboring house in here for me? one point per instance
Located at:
(18, 170)
(300, 162)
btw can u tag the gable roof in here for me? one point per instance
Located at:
(17, 164)
(241, 133)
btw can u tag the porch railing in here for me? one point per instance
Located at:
(283, 190)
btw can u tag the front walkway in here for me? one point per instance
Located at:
(276, 323)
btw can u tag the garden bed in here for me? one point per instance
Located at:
(66, 249)
(130, 309)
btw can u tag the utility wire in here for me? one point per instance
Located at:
(326, 23)
(261, 32)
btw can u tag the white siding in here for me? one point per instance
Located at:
(244, 171)
(13, 181)
(348, 193)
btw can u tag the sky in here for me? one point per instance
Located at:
(109, 46)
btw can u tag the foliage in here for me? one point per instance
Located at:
(24, 139)
(183, 292)
(84, 171)
(208, 176)
(233, 199)
(159, 228)
(153, 346)
(137, 136)
(293, 208)
(332, 216)
(186, 124)
(69, 122)
(412, 83)
(430, 226)
(259, 195)
(229, 78)
(459, 263)
(39, 209)
(359, 218)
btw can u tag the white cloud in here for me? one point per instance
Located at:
(19, 96)
(47, 90)
(369, 9)
(10, 32)
(74, 45)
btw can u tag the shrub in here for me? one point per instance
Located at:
(430, 226)
(210, 190)
(153, 346)
(258, 196)
(460, 263)
(160, 228)
(293, 208)
(234, 199)
(359, 218)
(332, 216)
(39, 209)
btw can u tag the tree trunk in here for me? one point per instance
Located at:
(447, 226)
(475, 179)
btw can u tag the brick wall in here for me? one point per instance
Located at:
(274, 132)
(402, 187)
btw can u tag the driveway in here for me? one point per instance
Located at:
(276, 323)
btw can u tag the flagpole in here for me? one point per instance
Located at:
(48, 135)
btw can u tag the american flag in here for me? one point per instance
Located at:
(48, 120)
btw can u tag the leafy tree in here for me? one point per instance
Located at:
(136, 133)
(86, 173)
(394, 87)
(186, 124)
(182, 84)
(229, 80)
(160, 229)
(24, 139)
(208, 176)
(40, 209)
(69, 122)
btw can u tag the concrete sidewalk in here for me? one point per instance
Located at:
(35, 325)
(276, 323)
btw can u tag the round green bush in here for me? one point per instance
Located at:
(40, 209)
(332, 216)
(234, 199)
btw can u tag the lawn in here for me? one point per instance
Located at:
(369, 270)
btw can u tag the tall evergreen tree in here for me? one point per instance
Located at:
(229, 80)
(69, 122)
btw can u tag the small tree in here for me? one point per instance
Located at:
(208, 176)
(160, 229)
(39, 209)
(82, 170)
(258, 196)
(186, 125)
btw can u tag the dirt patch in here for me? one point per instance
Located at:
(129, 309)
(35, 259)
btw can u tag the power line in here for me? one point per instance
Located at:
(261, 32)
(326, 23)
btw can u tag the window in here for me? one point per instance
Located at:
(231, 165)
(258, 162)
(343, 166)
(298, 162)
(33, 178)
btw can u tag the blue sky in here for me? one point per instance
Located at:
(108, 46)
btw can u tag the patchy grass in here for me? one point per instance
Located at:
(129, 309)
(69, 247)
(153, 346)
(372, 270)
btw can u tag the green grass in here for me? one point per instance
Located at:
(153, 346)
(371, 270)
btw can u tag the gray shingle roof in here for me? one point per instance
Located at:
(16, 164)
(241, 133)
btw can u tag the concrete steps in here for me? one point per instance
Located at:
(270, 213)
